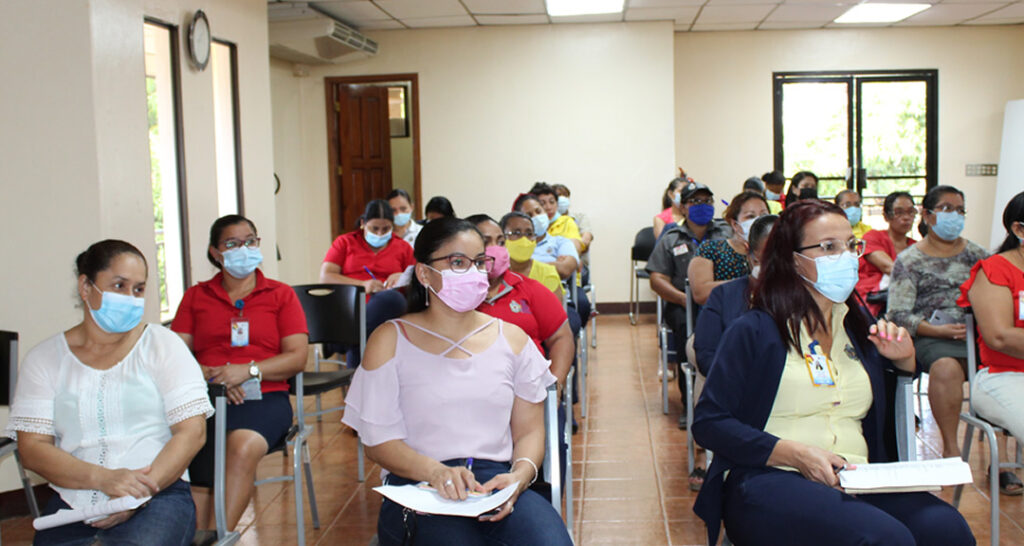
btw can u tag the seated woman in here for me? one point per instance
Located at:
(112, 408)
(995, 291)
(405, 227)
(520, 242)
(438, 207)
(719, 261)
(774, 182)
(551, 249)
(796, 392)
(424, 404)
(248, 333)
(926, 281)
(559, 224)
(804, 185)
(374, 259)
(582, 222)
(672, 206)
(850, 202)
(882, 247)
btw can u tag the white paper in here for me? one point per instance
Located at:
(428, 501)
(405, 278)
(932, 473)
(96, 512)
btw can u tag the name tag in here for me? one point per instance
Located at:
(819, 367)
(239, 332)
(679, 250)
(1020, 305)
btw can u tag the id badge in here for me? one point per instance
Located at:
(680, 250)
(820, 370)
(239, 332)
(1020, 305)
(251, 387)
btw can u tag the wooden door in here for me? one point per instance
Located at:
(360, 152)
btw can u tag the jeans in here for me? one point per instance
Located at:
(534, 521)
(168, 519)
(999, 398)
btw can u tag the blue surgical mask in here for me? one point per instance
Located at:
(118, 313)
(676, 199)
(772, 196)
(701, 214)
(242, 261)
(540, 224)
(948, 225)
(563, 205)
(837, 275)
(374, 240)
(853, 214)
(403, 218)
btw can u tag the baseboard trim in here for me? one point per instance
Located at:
(623, 307)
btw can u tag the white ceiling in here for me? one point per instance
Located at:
(688, 15)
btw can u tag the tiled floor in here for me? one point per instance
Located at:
(629, 467)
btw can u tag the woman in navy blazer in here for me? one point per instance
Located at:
(803, 280)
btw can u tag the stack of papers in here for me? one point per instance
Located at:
(90, 514)
(905, 477)
(427, 501)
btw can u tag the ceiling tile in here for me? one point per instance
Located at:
(664, 3)
(387, 24)
(420, 9)
(949, 14)
(711, 15)
(682, 16)
(512, 19)
(352, 12)
(723, 26)
(738, 2)
(430, 22)
(790, 25)
(1011, 13)
(505, 7)
(600, 18)
(807, 12)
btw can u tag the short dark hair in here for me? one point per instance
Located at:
(98, 256)
(890, 202)
(935, 194)
(753, 184)
(774, 178)
(760, 229)
(511, 215)
(477, 219)
(378, 208)
(431, 237)
(1014, 212)
(217, 229)
(839, 196)
(523, 197)
(441, 205)
(542, 188)
(399, 192)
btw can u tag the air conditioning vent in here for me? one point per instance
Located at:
(318, 40)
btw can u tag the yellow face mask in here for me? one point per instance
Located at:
(521, 249)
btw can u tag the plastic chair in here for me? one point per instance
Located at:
(972, 421)
(643, 245)
(9, 370)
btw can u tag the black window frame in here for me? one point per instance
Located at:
(236, 119)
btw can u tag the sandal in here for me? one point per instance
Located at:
(697, 478)
(1009, 484)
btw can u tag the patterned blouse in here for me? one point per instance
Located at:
(728, 264)
(922, 284)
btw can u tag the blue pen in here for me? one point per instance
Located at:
(370, 273)
(469, 463)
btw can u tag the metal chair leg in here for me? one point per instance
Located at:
(309, 485)
(360, 462)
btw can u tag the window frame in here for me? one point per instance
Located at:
(236, 120)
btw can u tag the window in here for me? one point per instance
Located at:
(874, 132)
(224, 67)
(163, 101)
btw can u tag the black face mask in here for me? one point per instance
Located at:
(808, 193)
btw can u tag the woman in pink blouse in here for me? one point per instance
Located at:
(452, 397)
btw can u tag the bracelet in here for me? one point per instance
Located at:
(536, 472)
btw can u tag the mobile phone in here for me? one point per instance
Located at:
(941, 318)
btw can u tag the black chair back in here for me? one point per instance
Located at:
(8, 365)
(335, 313)
(643, 245)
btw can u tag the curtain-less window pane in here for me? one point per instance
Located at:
(164, 175)
(893, 136)
(222, 67)
(816, 132)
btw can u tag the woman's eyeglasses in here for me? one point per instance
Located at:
(949, 208)
(460, 263)
(231, 244)
(833, 247)
(513, 235)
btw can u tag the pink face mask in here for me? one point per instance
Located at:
(462, 291)
(501, 261)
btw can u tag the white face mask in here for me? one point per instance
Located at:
(745, 228)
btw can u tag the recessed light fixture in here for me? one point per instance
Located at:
(562, 8)
(880, 13)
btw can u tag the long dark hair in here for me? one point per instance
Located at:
(217, 229)
(1014, 212)
(793, 194)
(931, 199)
(781, 292)
(673, 185)
(432, 237)
(440, 205)
(98, 256)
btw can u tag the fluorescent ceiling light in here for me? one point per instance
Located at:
(561, 8)
(880, 13)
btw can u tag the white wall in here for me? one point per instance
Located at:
(723, 86)
(74, 157)
(590, 106)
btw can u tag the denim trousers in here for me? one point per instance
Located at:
(168, 519)
(534, 521)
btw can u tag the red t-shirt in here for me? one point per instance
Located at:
(870, 275)
(272, 308)
(528, 305)
(351, 252)
(1000, 272)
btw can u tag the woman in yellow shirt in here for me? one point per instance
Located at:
(519, 240)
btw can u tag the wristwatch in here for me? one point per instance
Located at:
(254, 371)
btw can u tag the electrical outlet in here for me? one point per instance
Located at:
(982, 169)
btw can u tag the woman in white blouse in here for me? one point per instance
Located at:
(112, 408)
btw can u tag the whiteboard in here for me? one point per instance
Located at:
(1011, 167)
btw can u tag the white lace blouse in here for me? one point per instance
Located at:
(115, 418)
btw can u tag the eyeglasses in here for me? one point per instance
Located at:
(833, 247)
(231, 244)
(460, 263)
(513, 235)
(708, 201)
(949, 208)
(912, 212)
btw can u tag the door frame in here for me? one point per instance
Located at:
(333, 161)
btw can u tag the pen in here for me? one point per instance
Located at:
(370, 273)
(469, 463)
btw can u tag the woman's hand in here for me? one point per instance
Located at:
(956, 332)
(124, 482)
(230, 375)
(392, 280)
(502, 481)
(453, 482)
(814, 463)
(893, 342)
(373, 286)
(113, 519)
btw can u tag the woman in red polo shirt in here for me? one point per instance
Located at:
(373, 259)
(249, 333)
